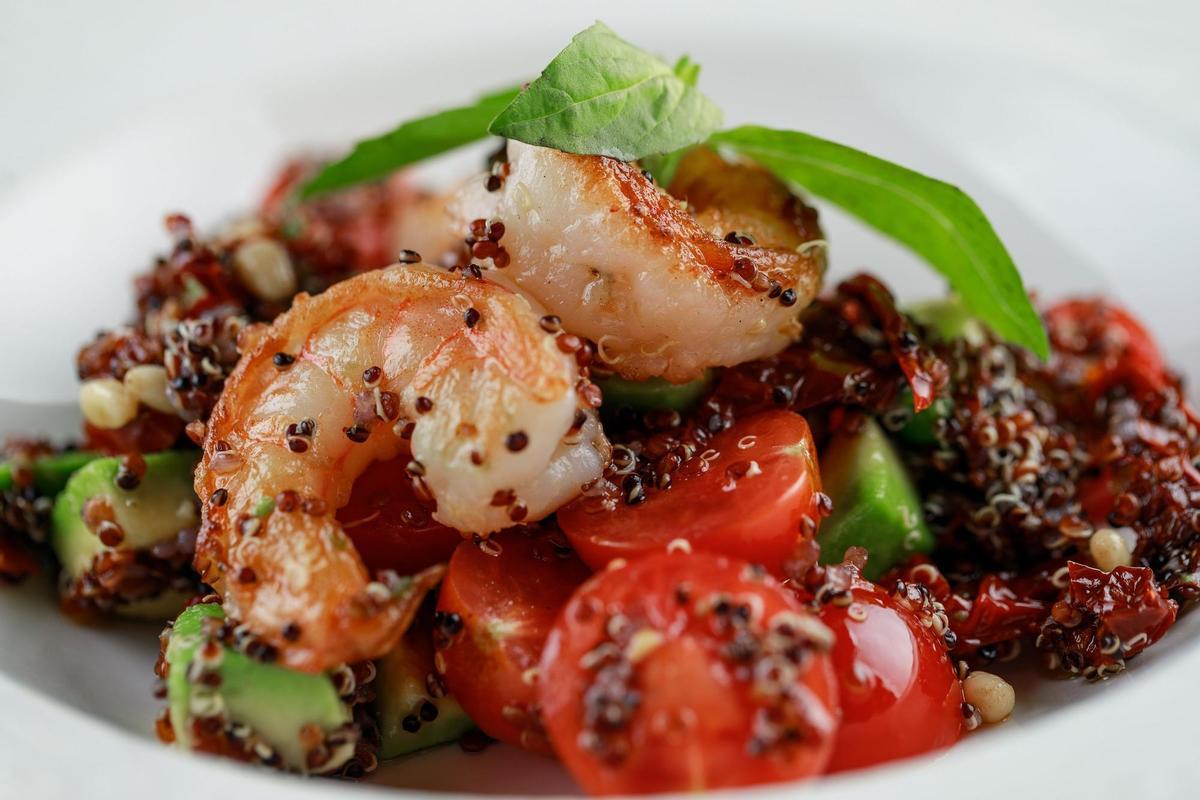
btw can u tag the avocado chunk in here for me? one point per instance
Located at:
(96, 522)
(875, 505)
(917, 429)
(948, 318)
(269, 710)
(411, 703)
(50, 473)
(652, 393)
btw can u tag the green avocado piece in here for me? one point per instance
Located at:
(875, 505)
(653, 393)
(918, 429)
(402, 691)
(274, 702)
(949, 318)
(50, 473)
(163, 504)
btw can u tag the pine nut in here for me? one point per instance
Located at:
(106, 403)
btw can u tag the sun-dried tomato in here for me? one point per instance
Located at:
(925, 372)
(1105, 618)
(1103, 346)
(857, 350)
(996, 609)
(149, 432)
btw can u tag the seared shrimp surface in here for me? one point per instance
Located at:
(459, 367)
(713, 273)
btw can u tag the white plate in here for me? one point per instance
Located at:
(1068, 126)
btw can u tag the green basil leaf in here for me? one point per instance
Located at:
(687, 70)
(412, 141)
(936, 220)
(662, 166)
(603, 96)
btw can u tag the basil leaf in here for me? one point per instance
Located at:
(662, 166)
(412, 141)
(603, 96)
(934, 219)
(686, 70)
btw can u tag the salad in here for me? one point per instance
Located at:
(585, 455)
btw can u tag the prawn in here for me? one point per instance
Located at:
(712, 273)
(460, 371)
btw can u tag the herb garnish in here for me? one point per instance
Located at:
(936, 220)
(413, 141)
(604, 96)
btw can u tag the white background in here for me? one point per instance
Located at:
(1076, 125)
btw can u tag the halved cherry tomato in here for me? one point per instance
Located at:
(1121, 349)
(390, 527)
(746, 498)
(683, 672)
(497, 603)
(899, 692)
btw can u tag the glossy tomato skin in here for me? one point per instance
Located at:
(755, 500)
(899, 692)
(683, 672)
(390, 527)
(495, 609)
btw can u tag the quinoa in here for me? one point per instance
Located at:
(192, 303)
(856, 352)
(24, 512)
(349, 751)
(1031, 461)
(1009, 484)
(118, 579)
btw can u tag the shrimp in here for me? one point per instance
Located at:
(459, 369)
(423, 226)
(667, 284)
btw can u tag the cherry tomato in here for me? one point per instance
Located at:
(389, 525)
(747, 498)
(683, 672)
(497, 603)
(1121, 350)
(899, 692)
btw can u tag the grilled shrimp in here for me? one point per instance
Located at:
(459, 369)
(424, 226)
(713, 273)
